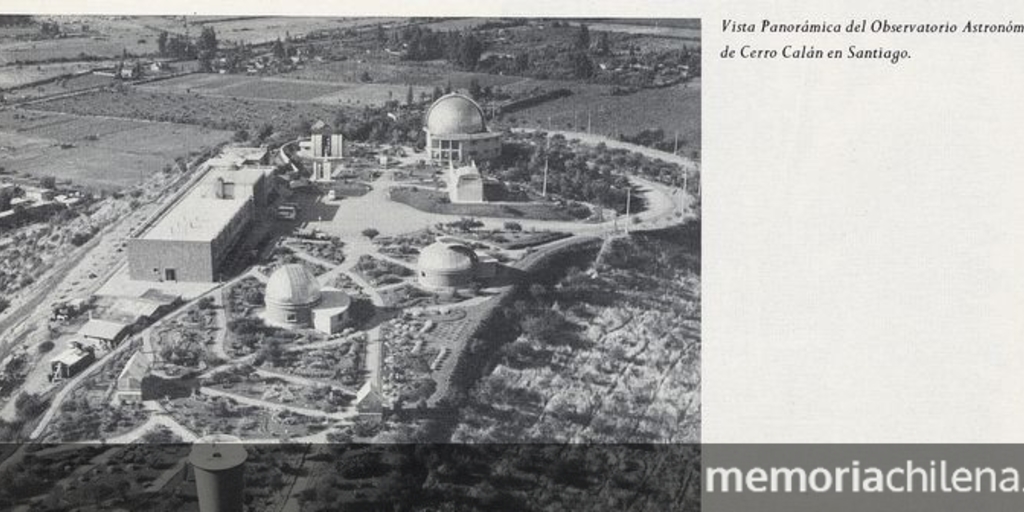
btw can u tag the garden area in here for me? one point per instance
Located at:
(341, 363)
(432, 201)
(182, 340)
(409, 360)
(331, 249)
(282, 255)
(248, 335)
(513, 237)
(202, 413)
(244, 380)
(404, 247)
(379, 272)
(244, 297)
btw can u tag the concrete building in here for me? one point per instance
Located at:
(457, 131)
(218, 463)
(446, 266)
(328, 150)
(190, 241)
(294, 299)
(465, 185)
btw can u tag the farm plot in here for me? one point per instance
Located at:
(287, 89)
(107, 37)
(17, 76)
(102, 153)
(214, 112)
(423, 74)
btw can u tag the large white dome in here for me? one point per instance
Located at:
(292, 285)
(455, 114)
(445, 257)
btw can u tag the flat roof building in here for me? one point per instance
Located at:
(191, 240)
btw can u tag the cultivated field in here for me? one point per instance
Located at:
(102, 153)
(425, 74)
(61, 86)
(15, 76)
(285, 89)
(225, 113)
(107, 36)
(260, 29)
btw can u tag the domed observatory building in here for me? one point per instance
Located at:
(446, 266)
(457, 132)
(294, 299)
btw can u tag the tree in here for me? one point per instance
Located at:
(241, 135)
(603, 45)
(408, 96)
(583, 38)
(48, 182)
(513, 226)
(582, 66)
(161, 43)
(6, 195)
(370, 233)
(279, 50)
(207, 47)
(474, 89)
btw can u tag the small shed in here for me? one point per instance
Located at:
(129, 381)
(369, 400)
(105, 332)
(71, 362)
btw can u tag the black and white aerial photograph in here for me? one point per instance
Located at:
(349, 263)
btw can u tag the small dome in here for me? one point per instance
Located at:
(292, 285)
(455, 114)
(444, 257)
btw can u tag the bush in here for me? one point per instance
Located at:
(370, 233)
(45, 347)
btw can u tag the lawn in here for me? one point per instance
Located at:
(437, 202)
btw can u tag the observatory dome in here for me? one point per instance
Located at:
(292, 285)
(443, 257)
(455, 114)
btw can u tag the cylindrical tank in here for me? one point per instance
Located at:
(219, 464)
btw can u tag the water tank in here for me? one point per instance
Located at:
(218, 461)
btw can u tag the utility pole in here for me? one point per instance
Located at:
(675, 148)
(544, 191)
(629, 196)
(588, 121)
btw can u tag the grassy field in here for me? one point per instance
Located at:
(213, 112)
(101, 153)
(434, 202)
(675, 108)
